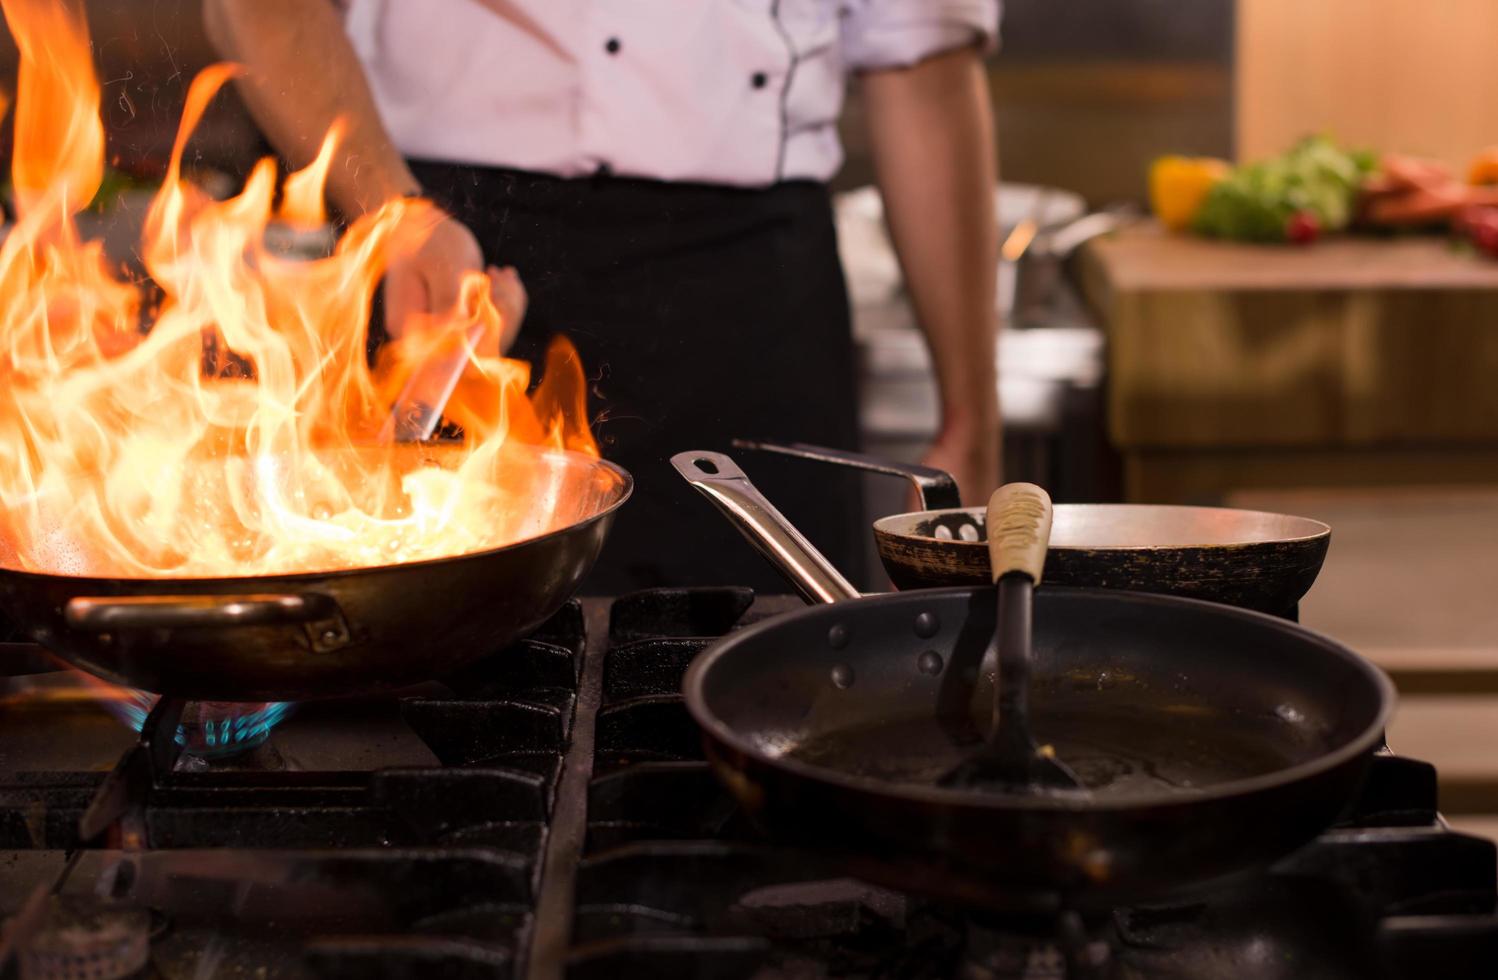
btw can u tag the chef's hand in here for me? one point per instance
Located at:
(426, 280)
(971, 453)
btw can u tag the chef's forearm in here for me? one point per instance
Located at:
(302, 74)
(931, 129)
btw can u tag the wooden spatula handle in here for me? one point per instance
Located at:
(1019, 530)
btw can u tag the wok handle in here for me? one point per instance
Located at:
(101, 614)
(937, 488)
(722, 482)
(1019, 530)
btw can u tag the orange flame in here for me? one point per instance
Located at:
(120, 455)
(302, 197)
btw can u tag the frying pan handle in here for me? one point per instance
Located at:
(184, 611)
(722, 482)
(937, 488)
(1019, 530)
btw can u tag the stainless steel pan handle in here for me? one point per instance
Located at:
(937, 488)
(101, 614)
(722, 482)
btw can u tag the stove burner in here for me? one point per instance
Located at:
(209, 729)
(218, 728)
(86, 938)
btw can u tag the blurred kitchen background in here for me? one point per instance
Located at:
(1356, 387)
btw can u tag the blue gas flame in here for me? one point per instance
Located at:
(214, 728)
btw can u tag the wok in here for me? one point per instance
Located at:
(306, 635)
(1211, 739)
(1246, 558)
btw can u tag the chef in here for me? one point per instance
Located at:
(651, 176)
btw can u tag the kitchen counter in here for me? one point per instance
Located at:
(1409, 583)
(1349, 362)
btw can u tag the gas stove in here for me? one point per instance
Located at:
(547, 813)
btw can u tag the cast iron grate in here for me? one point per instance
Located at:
(438, 834)
(417, 849)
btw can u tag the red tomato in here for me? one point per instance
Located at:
(1485, 237)
(1303, 228)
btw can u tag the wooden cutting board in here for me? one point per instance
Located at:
(1349, 361)
(1147, 258)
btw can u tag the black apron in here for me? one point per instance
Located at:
(701, 313)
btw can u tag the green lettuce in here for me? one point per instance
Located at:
(1256, 201)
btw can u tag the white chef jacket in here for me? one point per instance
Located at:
(740, 92)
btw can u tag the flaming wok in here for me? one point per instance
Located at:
(298, 636)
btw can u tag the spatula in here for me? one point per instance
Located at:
(1009, 761)
(419, 406)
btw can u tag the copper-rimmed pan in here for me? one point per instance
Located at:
(301, 636)
(1246, 558)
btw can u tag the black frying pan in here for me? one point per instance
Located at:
(1246, 558)
(1212, 738)
(294, 637)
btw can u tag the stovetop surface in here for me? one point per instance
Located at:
(547, 813)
